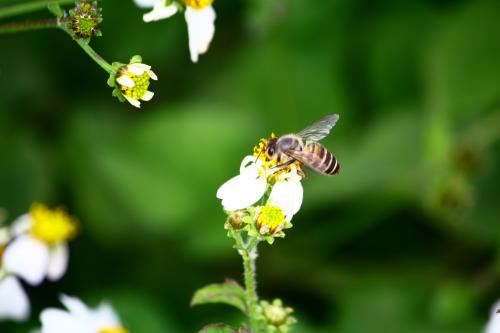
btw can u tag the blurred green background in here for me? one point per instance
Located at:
(405, 239)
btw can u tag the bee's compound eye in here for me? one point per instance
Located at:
(270, 150)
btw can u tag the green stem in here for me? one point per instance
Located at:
(28, 25)
(96, 57)
(249, 254)
(23, 8)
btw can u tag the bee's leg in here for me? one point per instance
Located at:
(280, 166)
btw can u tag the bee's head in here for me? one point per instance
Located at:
(271, 150)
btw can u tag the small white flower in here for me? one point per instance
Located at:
(80, 319)
(493, 325)
(14, 303)
(249, 186)
(199, 15)
(40, 249)
(133, 82)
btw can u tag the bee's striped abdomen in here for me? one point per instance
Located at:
(320, 159)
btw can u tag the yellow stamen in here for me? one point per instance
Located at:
(51, 225)
(269, 219)
(113, 330)
(198, 4)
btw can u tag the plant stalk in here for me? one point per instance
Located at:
(28, 7)
(28, 25)
(249, 254)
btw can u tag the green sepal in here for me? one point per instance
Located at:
(136, 59)
(55, 9)
(168, 2)
(229, 292)
(118, 94)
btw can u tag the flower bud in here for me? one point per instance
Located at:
(85, 19)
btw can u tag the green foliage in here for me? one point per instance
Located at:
(229, 292)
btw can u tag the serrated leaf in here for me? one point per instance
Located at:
(229, 292)
(218, 328)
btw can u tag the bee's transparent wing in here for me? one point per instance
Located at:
(319, 129)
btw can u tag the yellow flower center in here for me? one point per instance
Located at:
(113, 330)
(270, 219)
(140, 87)
(260, 152)
(198, 4)
(275, 315)
(51, 225)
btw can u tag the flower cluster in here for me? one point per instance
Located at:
(199, 14)
(276, 317)
(33, 248)
(85, 19)
(279, 190)
(79, 318)
(131, 81)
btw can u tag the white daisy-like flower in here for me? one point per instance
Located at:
(78, 318)
(133, 82)
(200, 18)
(40, 248)
(257, 172)
(493, 325)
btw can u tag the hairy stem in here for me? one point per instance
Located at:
(248, 252)
(28, 25)
(28, 7)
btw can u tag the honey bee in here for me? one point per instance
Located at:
(304, 148)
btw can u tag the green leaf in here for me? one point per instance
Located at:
(229, 292)
(218, 328)
(55, 9)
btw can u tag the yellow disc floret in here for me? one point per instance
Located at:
(269, 219)
(51, 225)
(198, 4)
(141, 85)
(113, 330)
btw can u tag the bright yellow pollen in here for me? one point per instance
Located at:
(198, 4)
(270, 219)
(113, 330)
(260, 152)
(51, 225)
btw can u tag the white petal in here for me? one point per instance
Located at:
(147, 3)
(14, 303)
(242, 191)
(147, 96)
(132, 101)
(21, 225)
(152, 75)
(125, 81)
(28, 258)
(58, 262)
(75, 306)
(201, 29)
(493, 325)
(160, 12)
(288, 196)
(58, 321)
(105, 316)
(137, 68)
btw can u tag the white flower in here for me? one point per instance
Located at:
(40, 249)
(249, 186)
(200, 17)
(80, 319)
(133, 80)
(493, 325)
(14, 303)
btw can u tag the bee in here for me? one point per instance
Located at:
(304, 148)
